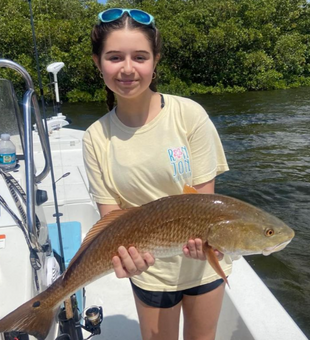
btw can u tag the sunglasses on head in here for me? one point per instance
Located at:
(139, 16)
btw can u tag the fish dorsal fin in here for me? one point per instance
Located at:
(187, 189)
(96, 230)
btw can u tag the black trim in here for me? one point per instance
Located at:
(162, 101)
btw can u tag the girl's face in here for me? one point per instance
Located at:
(127, 63)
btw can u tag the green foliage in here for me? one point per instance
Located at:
(290, 54)
(62, 34)
(212, 46)
(76, 95)
(100, 95)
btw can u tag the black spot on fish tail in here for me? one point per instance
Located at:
(36, 304)
(34, 317)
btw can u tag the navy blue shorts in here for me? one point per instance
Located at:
(170, 299)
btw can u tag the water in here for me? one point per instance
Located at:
(266, 136)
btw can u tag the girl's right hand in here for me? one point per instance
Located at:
(130, 262)
(194, 250)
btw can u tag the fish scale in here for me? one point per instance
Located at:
(161, 227)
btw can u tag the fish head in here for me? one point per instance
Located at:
(260, 233)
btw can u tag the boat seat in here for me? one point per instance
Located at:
(71, 240)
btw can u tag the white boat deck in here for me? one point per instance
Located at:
(250, 311)
(67, 157)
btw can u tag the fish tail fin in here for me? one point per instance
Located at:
(34, 317)
(214, 262)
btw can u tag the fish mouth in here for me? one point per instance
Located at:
(269, 250)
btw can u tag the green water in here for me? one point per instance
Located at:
(266, 136)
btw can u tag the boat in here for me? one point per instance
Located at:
(49, 182)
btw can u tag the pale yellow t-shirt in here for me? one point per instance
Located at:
(133, 166)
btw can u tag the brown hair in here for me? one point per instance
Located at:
(101, 31)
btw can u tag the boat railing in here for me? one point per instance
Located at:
(29, 101)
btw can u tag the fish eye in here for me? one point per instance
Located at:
(269, 232)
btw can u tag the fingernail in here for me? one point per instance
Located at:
(121, 250)
(132, 251)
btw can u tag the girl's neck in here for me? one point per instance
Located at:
(136, 112)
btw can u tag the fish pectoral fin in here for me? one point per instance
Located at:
(214, 262)
(187, 189)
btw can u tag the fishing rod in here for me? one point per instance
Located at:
(57, 214)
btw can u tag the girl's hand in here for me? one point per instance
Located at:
(130, 262)
(194, 249)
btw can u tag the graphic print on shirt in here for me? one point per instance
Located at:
(180, 163)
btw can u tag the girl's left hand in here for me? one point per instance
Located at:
(130, 262)
(194, 249)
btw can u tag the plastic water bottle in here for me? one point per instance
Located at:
(7, 152)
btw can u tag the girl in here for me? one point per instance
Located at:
(147, 147)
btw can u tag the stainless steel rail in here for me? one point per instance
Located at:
(28, 99)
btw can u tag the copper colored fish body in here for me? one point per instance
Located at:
(161, 227)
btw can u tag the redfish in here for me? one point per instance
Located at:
(161, 227)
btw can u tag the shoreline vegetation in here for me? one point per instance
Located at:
(210, 46)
